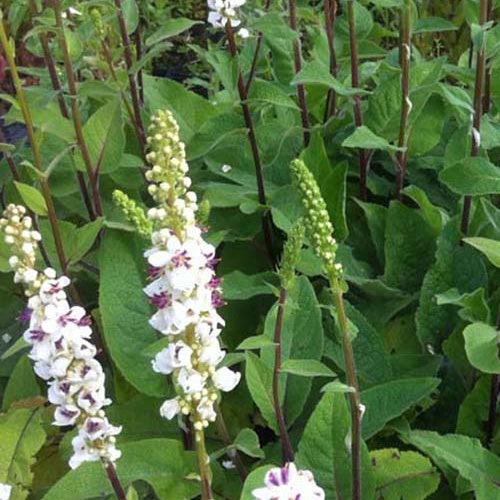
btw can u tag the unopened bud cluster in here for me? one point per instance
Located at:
(184, 288)
(59, 335)
(291, 254)
(133, 213)
(316, 219)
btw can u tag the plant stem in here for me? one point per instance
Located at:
(297, 59)
(37, 157)
(352, 380)
(406, 105)
(476, 126)
(494, 393)
(56, 85)
(330, 7)
(266, 217)
(226, 438)
(204, 467)
(138, 52)
(92, 173)
(487, 75)
(288, 455)
(256, 54)
(115, 481)
(364, 155)
(134, 92)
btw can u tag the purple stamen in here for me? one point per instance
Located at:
(85, 321)
(217, 300)
(154, 272)
(215, 282)
(37, 335)
(92, 426)
(181, 259)
(161, 300)
(212, 261)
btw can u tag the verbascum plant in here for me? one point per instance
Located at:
(63, 355)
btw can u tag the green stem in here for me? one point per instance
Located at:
(404, 60)
(352, 380)
(204, 467)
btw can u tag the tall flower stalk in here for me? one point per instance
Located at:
(63, 355)
(330, 8)
(406, 104)
(297, 61)
(223, 14)
(291, 254)
(478, 107)
(319, 229)
(364, 155)
(184, 290)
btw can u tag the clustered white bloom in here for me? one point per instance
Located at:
(5, 490)
(184, 287)
(59, 335)
(288, 483)
(222, 11)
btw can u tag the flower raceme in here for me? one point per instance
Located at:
(183, 286)
(60, 348)
(220, 11)
(288, 483)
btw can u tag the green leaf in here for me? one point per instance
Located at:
(474, 306)
(364, 138)
(464, 454)
(387, 401)
(490, 248)
(84, 238)
(433, 24)
(105, 137)
(259, 378)
(125, 312)
(171, 27)
(256, 342)
(22, 383)
(32, 198)
(162, 463)
(306, 368)
(323, 450)
(337, 386)
(254, 480)
(403, 475)
(247, 441)
(481, 346)
(240, 286)
(473, 176)
(22, 436)
(270, 93)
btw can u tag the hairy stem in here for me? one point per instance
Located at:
(56, 85)
(204, 467)
(352, 380)
(330, 7)
(92, 173)
(35, 148)
(288, 455)
(115, 481)
(364, 155)
(297, 60)
(256, 54)
(259, 171)
(134, 91)
(226, 438)
(401, 159)
(478, 108)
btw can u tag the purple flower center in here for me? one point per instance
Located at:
(181, 259)
(161, 300)
(154, 272)
(217, 300)
(212, 261)
(92, 426)
(215, 282)
(68, 413)
(85, 321)
(37, 335)
(25, 315)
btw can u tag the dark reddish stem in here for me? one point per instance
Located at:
(330, 7)
(138, 52)
(56, 85)
(288, 455)
(266, 221)
(478, 108)
(487, 75)
(297, 60)
(134, 92)
(364, 155)
(258, 45)
(115, 482)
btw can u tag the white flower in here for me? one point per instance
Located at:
(244, 33)
(5, 490)
(220, 11)
(288, 483)
(190, 380)
(225, 379)
(206, 409)
(174, 356)
(170, 408)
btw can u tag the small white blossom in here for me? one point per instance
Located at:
(5, 491)
(222, 11)
(6, 338)
(288, 483)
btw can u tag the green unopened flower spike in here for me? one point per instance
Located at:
(133, 213)
(96, 17)
(291, 254)
(317, 221)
